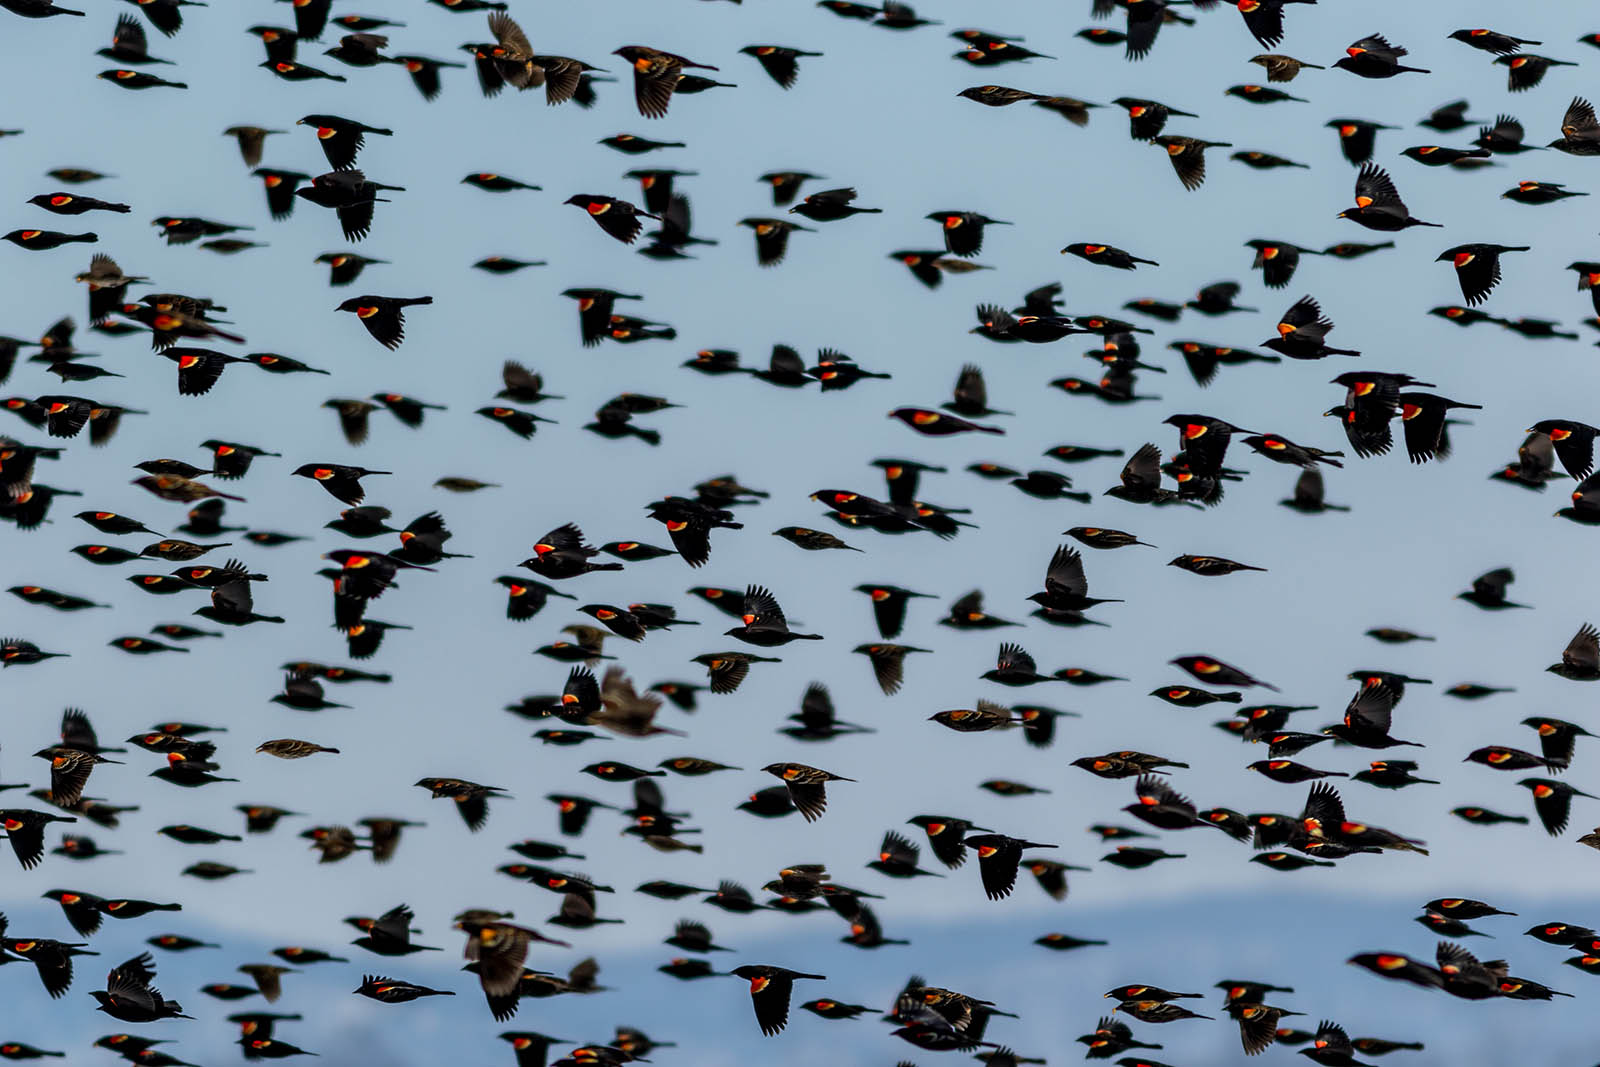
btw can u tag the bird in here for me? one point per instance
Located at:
(1378, 203)
(770, 989)
(1477, 268)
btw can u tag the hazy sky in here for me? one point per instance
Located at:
(878, 111)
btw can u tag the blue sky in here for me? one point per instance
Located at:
(878, 111)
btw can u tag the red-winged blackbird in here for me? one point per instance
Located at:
(137, 79)
(963, 230)
(1378, 203)
(1556, 737)
(689, 524)
(1534, 192)
(352, 197)
(807, 786)
(817, 722)
(37, 9)
(770, 988)
(1096, 537)
(987, 50)
(1552, 801)
(1065, 587)
(1525, 71)
(998, 96)
(1217, 299)
(1282, 450)
(1157, 1011)
(1265, 160)
(1188, 161)
(632, 144)
(889, 606)
(341, 138)
(780, 63)
(1477, 268)
(655, 75)
(522, 423)
(1580, 660)
(298, 72)
(128, 995)
(1103, 35)
(69, 773)
(728, 669)
(999, 857)
(1211, 566)
(1207, 669)
(888, 664)
(1424, 419)
(343, 483)
(1368, 716)
(44, 240)
(472, 799)
(1141, 479)
(1107, 255)
(1375, 57)
(361, 50)
(67, 204)
(786, 184)
(496, 183)
(273, 363)
(1204, 441)
(394, 991)
(812, 540)
(109, 522)
(1573, 443)
(1301, 332)
(1357, 138)
(1277, 260)
(764, 622)
(1490, 41)
(1504, 137)
(1449, 117)
(231, 460)
(424, 72)
(279, 42)
(1147, 118)
(831, 205)
(1289, 772)
(198, 371)
(618, 218)
(383, 316)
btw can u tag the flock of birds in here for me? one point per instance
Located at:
(1184, 468)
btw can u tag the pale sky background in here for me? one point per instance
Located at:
(878, 111)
